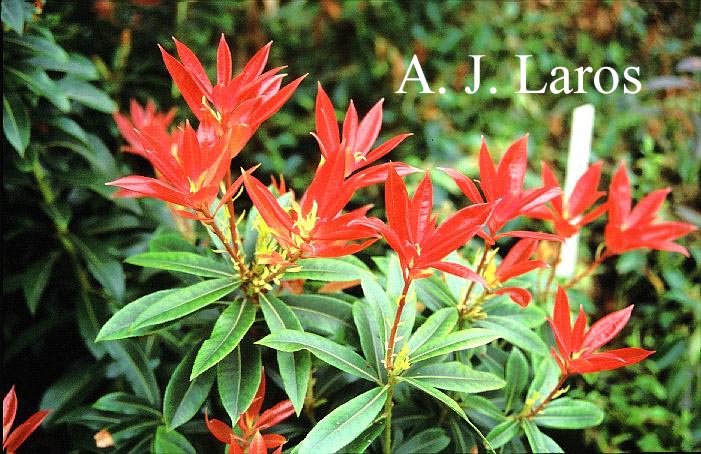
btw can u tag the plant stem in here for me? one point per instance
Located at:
(388, 418)
(594, 265)
(210, 222)
(389, 366)
(553, 271)
(395, 326)
(548, 398)
(479, 270)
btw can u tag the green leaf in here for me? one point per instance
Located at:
(228, 331)
(456, 376)
(105, 269)
(40, 83)
(295, 367)
(545, 379)
(238, 378)
(184, 397)
(445, 399)
(439, 324)
(171, 442)
(363, 441)
(459, 340)
(376, 296)
(70, 390)
(35, 280)
(503, 433)
(185, 301)
(568, 413)
(428, 441)
(339, 356)
(516, 376)
(119, 325)
(75, 65)
(185, 262)
(86, 94)
(538, 441)
(328, 270)
(345, 423)
(15, 122)
(13, 14)
(128, 404)
(434, 293)
(39, 45)
(516, 333)
(134, 364)
(71, 128)
(369, 325)
(170, 242)
(320, 313)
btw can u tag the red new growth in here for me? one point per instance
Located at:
(12, 441)
(635, 228)
(189, 174)
(411, 229)
(577, 347)
(251, 423)
(315, 227)
(568, 213)
(356, 138)
(147, 120)
(516, 263)
(504, 185)
(241, 103)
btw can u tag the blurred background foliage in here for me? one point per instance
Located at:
(68, 65)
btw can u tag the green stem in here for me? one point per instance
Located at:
(388, 417)
(549, 397)
(479, 270)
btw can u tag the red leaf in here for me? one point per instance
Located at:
(326, 123)
(191, 92)
(223, 61)
(24, 430)
(606, 329)
(278, 413)
(9, 410)
(520, 296)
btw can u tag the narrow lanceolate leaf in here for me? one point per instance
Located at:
(127, 404)
(516, 333)
(538, 441)
(238, 377)
(320, 313)
(449, 402)
(133, 363)
(119, 326)
(345, 423)
(437, 325)
(363, 441)
(328, 351)
(228, 331)
(456, 376)
(295, 367)
(460, 340)
(516, 375)
(369, 324)
(15, 123)
(567, 413)
(171, 442)
(185, 262)
(429, 441)
(328, 270)
(184, 397)
(185, 301)
(503, 433)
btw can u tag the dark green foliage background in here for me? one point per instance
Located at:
(65, 239)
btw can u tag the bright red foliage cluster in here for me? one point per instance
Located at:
(11, 441)
(578, 347)
(251, 423)
(193, 172)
